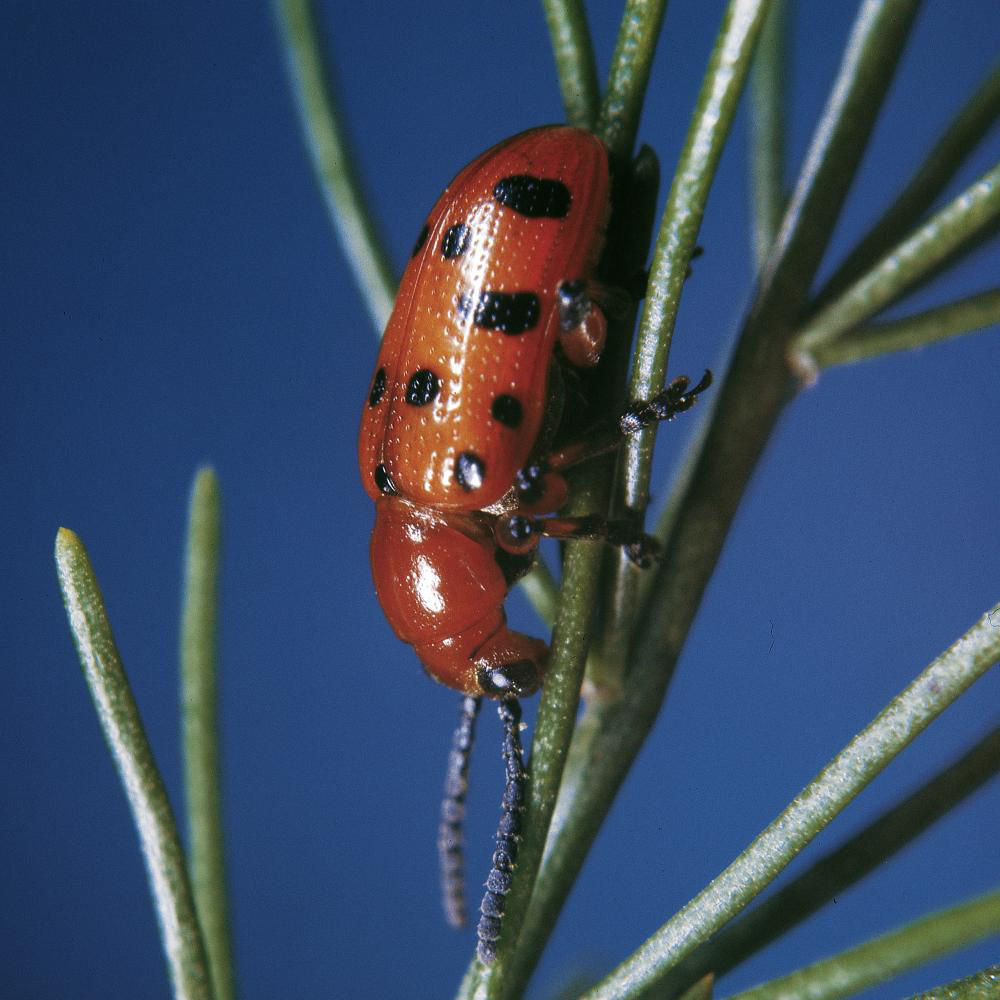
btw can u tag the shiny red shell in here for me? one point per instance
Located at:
(458, 398)
(434, 328)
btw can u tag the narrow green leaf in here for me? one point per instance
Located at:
(201, 729)
(978, 986)
(943, 235)
(842, 867)
(126, 739)
(725, 75)
(873, 51)
(887, 956)
(707, 134)
(542, 591)
(977, 312)
(574, 53)
(319, 114)
(767, 131)
(961, 137)
(618, 121)
(851, 771)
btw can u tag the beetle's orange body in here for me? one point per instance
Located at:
(460, 412)
(458, 400)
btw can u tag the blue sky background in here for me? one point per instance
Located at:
(173, 293)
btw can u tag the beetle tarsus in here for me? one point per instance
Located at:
(665, 405)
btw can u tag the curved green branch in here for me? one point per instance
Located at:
(767, 131)
(977, 312)
(201, 729)
(147, 797)
(843, 867)
(850, 772)
(951, 150)
(319, 114)
(885, 957)
(618, 121)
(943, 235)
(574, 54)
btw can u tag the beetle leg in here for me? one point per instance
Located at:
(540, 485)
(521, 533)
(665, 405)
(456, 784)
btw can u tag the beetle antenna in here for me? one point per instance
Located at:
(508, 832)
(456, 783)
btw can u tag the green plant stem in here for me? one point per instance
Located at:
(574, 54)
(710, 126)
(851, 771)
(618, 120)
(554, 726)
(961, 137)
(147, 797)
(627, 240)
(542, 591)
(978, 986)
(842, 867)
(319, 114)
(887, 956)
(874, 340)
(946, 232)
(713, 115)
(610, 734)
(767, 131)
(201, 732)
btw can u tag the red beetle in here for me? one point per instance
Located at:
(455, 444)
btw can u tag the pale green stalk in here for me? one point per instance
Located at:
(885, 957)
(945, 233)
(851, 771)
(199, 713)
(126, 738)
(574, 54)
(319, 114)
(977, 312)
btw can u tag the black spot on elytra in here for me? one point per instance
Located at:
(421, 240)
(384, 481)
(378, 388)
(534, 197)
(508, 411)
(470, 471)
(423, 386)
(509, 312)
(455, 241)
